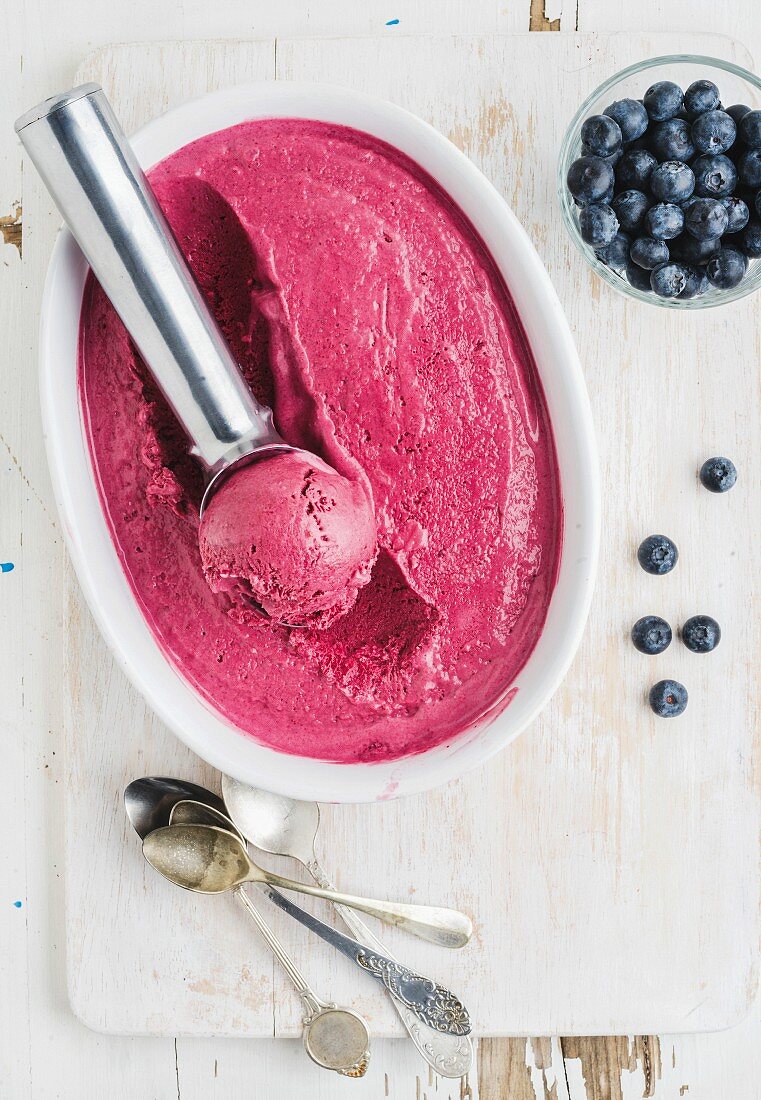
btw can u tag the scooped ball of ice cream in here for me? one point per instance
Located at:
(290, 535)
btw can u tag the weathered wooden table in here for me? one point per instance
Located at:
(43, 1050)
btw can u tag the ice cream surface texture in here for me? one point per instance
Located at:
(365, 310)
(292, 535)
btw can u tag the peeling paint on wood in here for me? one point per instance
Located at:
(11, 228)
(603, 1063)
(538, 20)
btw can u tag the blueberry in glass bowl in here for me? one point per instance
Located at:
(659, 181)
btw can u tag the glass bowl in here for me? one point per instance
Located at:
(735, 84)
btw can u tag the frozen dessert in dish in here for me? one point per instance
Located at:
(288, 535)
(366, 311)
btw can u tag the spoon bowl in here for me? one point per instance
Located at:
(272, 822)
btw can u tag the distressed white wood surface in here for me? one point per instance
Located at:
(44, 1051)
(594, 827)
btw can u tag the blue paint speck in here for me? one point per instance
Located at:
(6, 566)
(17, 904)
(392, 23)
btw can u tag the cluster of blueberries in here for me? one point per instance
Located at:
(701, 634)
(669, 189)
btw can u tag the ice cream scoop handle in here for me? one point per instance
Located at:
(445, 927)
(90, 169)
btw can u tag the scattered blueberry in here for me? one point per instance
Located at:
(657, 554)
(697, 284)
(601, 134)
(672, 140)
(714, 132)
(718, 475)
(634, 169)
(638, 277)
(668, 698)
(664, 221)
(726, 269)
(672, 181)
(630, 208)
(715, 176)
(663, 100)
(651, 635)
(701, 96)
(631, 117)
(616, 254)
(669, 280)
(749, 240)
(706, 219)
(750, 129)
(648, 253)
(737, 213)
(749, 168)
(589, 179)
(701, 633)
(738, 111)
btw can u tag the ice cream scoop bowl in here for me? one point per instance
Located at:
(78, 147)
(211, 860)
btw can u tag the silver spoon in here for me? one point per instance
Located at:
(334, 1038)
(213, 860)
(286, 827)
(200, 856)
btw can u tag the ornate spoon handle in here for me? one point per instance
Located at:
(433, 1005)
(448, 1054)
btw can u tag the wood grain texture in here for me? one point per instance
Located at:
(44, 1052)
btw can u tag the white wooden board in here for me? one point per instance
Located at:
(602, 828)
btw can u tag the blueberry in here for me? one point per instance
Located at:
(589, 179)
(715, 176)
(648, 253)
(701, 96)
(664, 221)
(638, 277)
(737, 213)
(672, 181)
(749, 240)
(651, 635)
(601, 135)
(718, 475)
(726, 269)
(697, 283)
(706, 219)
(750, 129)
(701, 633)
(616, 254)
(631, 117)
(630, 208)
(598, 224)
(668, 698)
(657, 554)
(634, 169)
(669, 280)
(692, 251)
(663, 100)
(749, 168)
(672, 140)
(738, 111)
(714, 132)
(757, 203)
(612, 159)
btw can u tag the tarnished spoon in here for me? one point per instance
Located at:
(335, 1038)
(287, 827)
(215, 863)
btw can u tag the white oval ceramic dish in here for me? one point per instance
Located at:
(89, 542)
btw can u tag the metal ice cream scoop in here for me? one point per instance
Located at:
(88, 166)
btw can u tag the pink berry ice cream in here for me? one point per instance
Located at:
(364, 309)
(292, 535)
